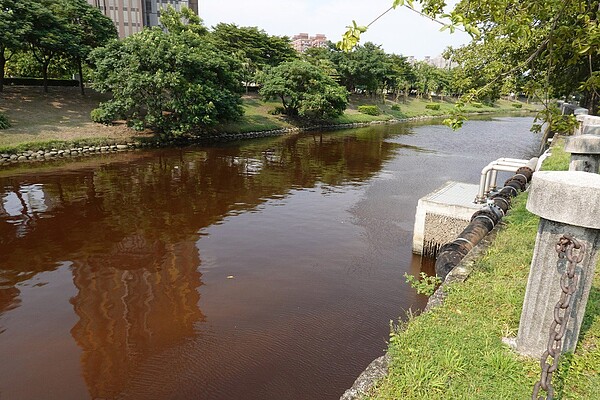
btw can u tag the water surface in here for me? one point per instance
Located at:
(268, 269)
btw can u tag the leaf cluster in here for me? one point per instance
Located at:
(423, 284)
(4, 122)
(548, 48)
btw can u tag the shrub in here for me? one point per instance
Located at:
(4, 121)
(369, 110)
(278, 110)
(101, 116)
(432, 106)
(395, 107)
(477, 105)
(517, 105)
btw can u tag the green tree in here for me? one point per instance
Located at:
(259, 47)
(365, 69)
(90, 29)
(172, 82)
(322, 58)
(401, 76)
(53, 34)
(185, 20)
(50, 35)
(425, 79)
(16, 22)
(304, 90)
(253, 48)
(23, 64)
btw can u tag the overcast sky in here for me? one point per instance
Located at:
(401, 31)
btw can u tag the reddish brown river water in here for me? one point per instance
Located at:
(266, 269)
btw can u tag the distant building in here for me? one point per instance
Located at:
(302, 41)
(439, 61)
(131, 16)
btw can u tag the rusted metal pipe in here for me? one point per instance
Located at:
(483, 221)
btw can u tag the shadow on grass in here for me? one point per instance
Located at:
(252, 102)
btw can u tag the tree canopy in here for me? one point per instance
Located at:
(544, 46)
(174, 82)
(253, 48)
(15, 24)
(51, 29)
(366, 68)
(554, 43)
(305, 90)
(256, 45)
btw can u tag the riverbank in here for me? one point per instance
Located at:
(456, 350)
(60, 119)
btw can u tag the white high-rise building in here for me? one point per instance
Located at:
(131, 16)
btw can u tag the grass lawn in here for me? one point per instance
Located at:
(256, 117)
(456, 351)
(416, 107)
(60, 115)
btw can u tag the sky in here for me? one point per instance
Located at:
(400, 31)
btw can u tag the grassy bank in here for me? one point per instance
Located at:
(456, 352)
(61, 118)
(257, 115)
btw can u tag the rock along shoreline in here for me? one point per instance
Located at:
(45, 154)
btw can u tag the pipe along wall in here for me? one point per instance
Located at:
(483, 221)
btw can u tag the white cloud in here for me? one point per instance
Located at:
(400, 31)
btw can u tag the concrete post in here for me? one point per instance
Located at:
(588, 125)
(585, 153)
(571, 109)
(568, 203)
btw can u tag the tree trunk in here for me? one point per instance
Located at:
(45, 74)
(80, 67)
(589, 102)
(2, 65)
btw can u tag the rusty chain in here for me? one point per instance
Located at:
(568, 285)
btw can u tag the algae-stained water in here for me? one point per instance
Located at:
(268, 269)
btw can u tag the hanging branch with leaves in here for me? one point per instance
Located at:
(552, 45)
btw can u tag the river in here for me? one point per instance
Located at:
(264, 269)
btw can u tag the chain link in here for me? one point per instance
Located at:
(568, 285)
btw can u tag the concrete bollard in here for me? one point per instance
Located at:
(587, 125)
(568, 203)
(585, 153)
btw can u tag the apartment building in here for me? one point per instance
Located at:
(131, 16)
(302, 41)
(438, 61)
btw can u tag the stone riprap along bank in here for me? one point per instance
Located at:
(42, 155)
